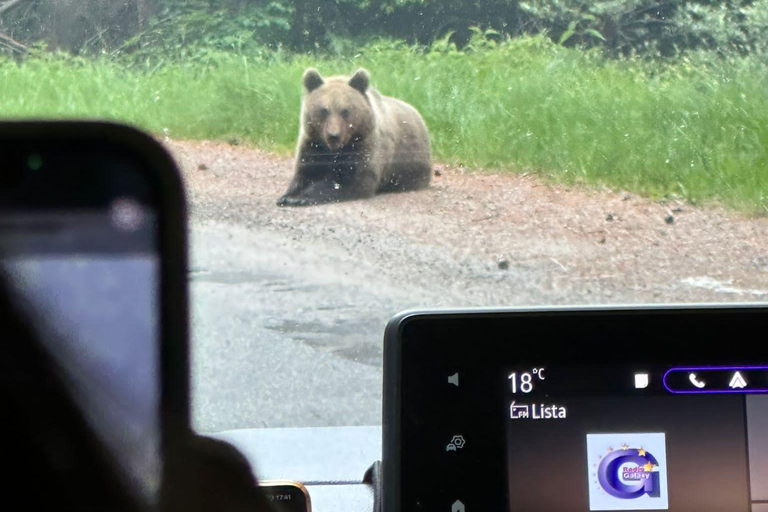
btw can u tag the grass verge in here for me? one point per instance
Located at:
(696, 129)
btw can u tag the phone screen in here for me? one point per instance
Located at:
(637, 437)
(86, 267)
(286, 496)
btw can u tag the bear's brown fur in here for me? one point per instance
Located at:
(355, 142)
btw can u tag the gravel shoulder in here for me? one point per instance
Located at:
(554, 245)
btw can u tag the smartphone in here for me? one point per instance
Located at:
(286, 495)
(92, 243)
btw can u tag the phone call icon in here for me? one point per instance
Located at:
(696, 382)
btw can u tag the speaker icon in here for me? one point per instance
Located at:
(454, 379)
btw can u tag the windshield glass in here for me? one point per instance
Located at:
(347, 160)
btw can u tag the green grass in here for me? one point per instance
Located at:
(696, 129)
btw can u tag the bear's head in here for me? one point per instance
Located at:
(337, 111)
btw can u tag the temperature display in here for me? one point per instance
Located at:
(524, 382)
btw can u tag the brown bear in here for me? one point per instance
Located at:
(355, 142)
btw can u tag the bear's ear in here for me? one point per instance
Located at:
(360, 80)
(312, 79)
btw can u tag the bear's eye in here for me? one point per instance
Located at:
(344, 113)
(322, 112)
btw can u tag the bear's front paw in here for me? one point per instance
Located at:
(294, 201)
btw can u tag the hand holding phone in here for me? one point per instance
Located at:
(92, 244)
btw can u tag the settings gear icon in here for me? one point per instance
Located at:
(457, 443)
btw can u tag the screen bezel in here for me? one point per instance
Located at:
(436, 333)
(157, 168)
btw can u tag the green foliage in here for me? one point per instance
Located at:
(652, 27)
(174, 30)
(695, 129)
(739, 27)
(623, 27)
(78, 26)
(191, 30)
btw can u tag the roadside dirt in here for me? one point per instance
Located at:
(550, 244)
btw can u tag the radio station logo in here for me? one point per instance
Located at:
(627, 471)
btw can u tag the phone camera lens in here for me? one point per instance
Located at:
(127, 214)
(34, 162)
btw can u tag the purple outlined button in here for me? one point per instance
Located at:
(716, 379)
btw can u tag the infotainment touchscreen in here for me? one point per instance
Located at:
(639, 437)
(591, 410)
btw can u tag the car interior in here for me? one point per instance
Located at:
(384, 256)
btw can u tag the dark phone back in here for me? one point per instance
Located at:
(58, 178)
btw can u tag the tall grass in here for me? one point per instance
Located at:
(696, 129)
(231, 98)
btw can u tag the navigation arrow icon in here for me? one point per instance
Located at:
(738, 382)
(458, 506)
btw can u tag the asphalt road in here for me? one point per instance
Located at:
(280, 339)
(287, 332)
